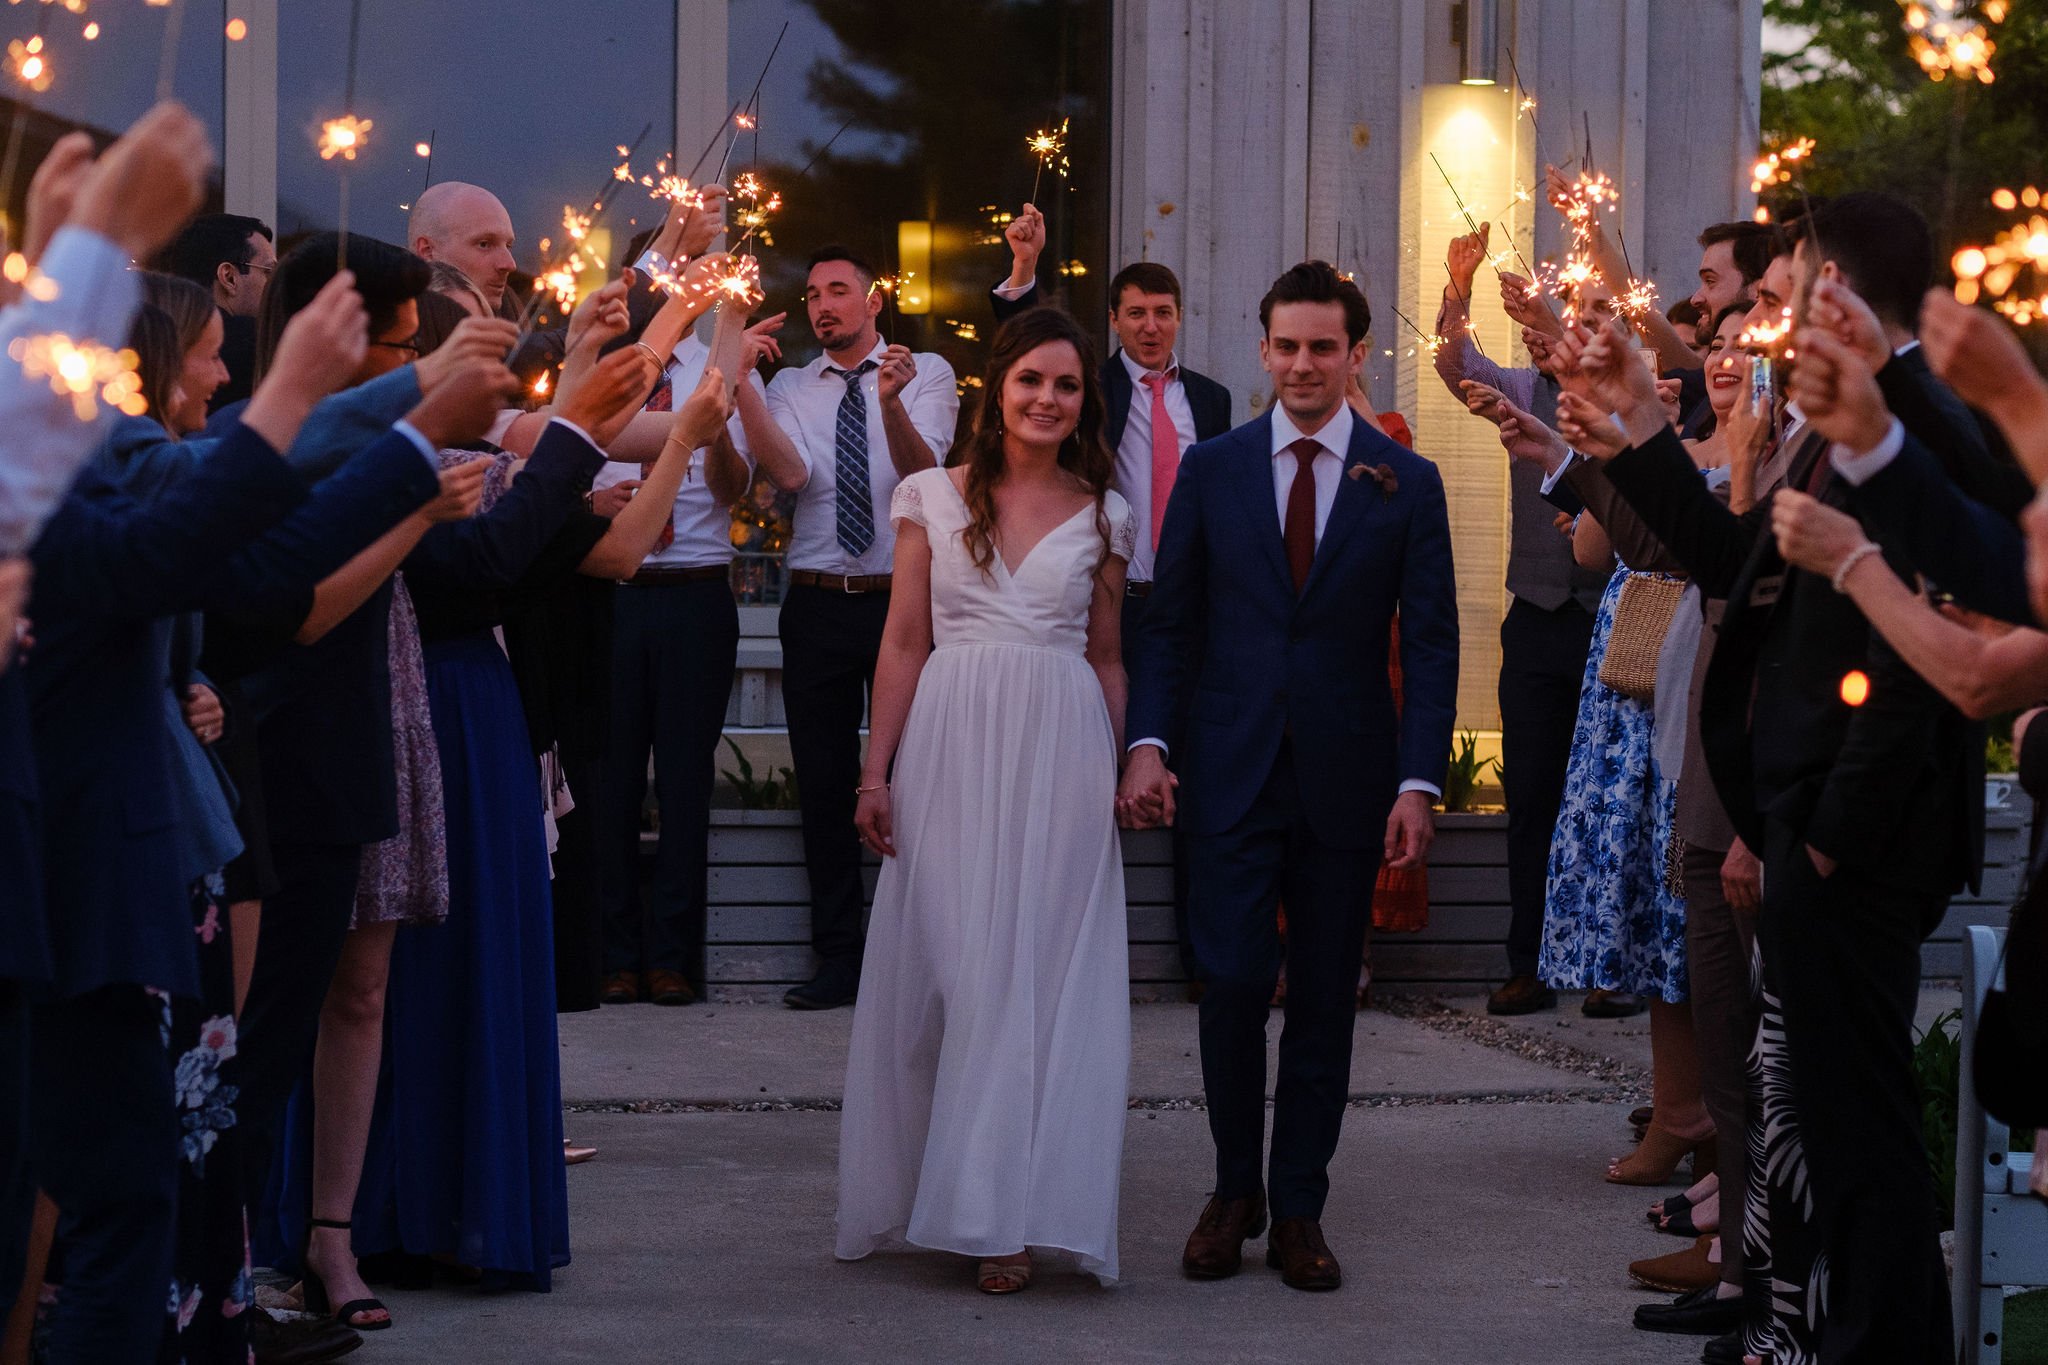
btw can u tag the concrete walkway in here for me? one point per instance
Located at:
(1467, 1207)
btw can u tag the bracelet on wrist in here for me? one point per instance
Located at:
(863, 791)
(1849, 563)
(643, 346)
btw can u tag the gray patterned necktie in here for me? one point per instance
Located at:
(850, 463)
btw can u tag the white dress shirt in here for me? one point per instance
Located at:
(805, 403)
(703, 526)
(1860, 466)
(1133, 473)
(96, 297)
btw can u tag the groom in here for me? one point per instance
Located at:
(1289, 544)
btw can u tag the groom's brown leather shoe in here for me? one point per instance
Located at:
(1297, 1250)
(1216, 1247)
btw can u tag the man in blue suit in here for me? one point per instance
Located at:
(1289, 545)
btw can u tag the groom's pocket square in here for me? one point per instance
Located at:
(1381, 474)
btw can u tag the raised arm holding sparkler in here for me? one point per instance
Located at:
(1582, 202)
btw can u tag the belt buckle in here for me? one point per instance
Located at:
(846, 585)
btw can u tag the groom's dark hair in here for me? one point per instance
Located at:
(1319, 282)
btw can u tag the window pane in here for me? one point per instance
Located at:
(936, 102)
(105, 83)
(528, 98)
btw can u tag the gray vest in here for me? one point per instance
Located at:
(1541, 570)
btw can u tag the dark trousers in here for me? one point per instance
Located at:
(1236, 881)
(297, 950)
(829, 644)
(673, 650)
(103, 1144)
(1845, 952)
(1133, 624)
(1542, 665)
(17, 1190)
(1718, 943)
(578, 894)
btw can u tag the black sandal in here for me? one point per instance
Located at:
(315, 1293)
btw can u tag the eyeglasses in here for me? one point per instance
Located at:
(253, 267)
(411, 348)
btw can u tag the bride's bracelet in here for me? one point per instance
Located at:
(1850, 561)
(878, 787)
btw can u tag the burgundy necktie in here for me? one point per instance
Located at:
(1299, 531)
(661, 400)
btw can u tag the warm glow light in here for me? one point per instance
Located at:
(84, 371)
(92, 30)
(343, 137)
(422, 149)
(238, 29)
(1855, 687)
(914, 254)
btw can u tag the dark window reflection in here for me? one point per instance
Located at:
(937, 100)
(528, 98)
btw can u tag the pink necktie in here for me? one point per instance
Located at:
(1165, 451)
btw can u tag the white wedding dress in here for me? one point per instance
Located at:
(987, 1079)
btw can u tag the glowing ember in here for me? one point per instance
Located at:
(540, 386)
(92, 31)
(422, 149)
(84, 371)
(2010, 271)
(1777, 168)
(238, 29)
(1766, 337)
(1946, 40)
(1855, 687)
(1638, 300)
(343, 137)
(29, 63)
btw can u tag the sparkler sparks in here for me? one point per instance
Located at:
(84, 371)
(343, 137)
(1768, 338)
(1945, 39)
(1638, 301)
(1049, 145)
(29, 63)
(1778, 168)
(2019, 254)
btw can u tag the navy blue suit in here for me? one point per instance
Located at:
(1289, 756)
(103, 1131)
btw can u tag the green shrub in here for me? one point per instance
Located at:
(1465, 772)
(768, 793)
(1938, 1068)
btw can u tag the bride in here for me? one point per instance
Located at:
(986, 1082)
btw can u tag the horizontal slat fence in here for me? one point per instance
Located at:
(759, 916)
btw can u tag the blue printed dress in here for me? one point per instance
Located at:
(1611, 919)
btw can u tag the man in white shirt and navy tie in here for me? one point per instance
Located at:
(1154, 409)
(675, 642)
(847, 428)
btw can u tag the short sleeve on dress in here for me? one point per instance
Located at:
(1123, 535)
(907, 503)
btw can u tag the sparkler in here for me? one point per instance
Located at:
(1944, 39)
(1991, 271)
(742, 109)
(1049, 145)
(84, 371)
(1433, 341)
(29, 63)
(576, 227)
(341, 138)
(1459, 200)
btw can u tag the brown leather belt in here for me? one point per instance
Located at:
(836, 582)
(661, 573)
(1137, 589)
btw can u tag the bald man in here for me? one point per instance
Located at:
(466, 226)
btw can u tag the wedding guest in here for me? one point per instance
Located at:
(1174, 408)
(848, 427)
(1828, 791)
(1295, 793)
(1543, 640)
(465, 226)
(231, 256)
(199, 324)
(975, 1123)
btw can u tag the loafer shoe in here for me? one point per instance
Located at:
(1702, 1313)
(1521, 994)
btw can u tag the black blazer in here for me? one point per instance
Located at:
(24, 939)
(1207, 399)
(325, 709)
(107, 572)
(1892, 788)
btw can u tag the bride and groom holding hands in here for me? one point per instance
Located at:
(986, 1083)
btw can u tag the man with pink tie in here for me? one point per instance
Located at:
(1155, 408)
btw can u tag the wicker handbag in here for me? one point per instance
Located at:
(1642, 617)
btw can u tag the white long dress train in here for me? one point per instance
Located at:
(986, 1084)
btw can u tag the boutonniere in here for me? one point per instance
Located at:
(1381, 474)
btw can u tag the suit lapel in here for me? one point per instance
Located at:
(1354, 497)
(1116, 400)
(1252, 485)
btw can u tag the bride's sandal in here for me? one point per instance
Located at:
(1002, 1277)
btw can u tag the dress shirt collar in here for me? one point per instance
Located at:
(1912, 344)
(1335, 436)
(686, 347)
(1138, 372)
(826, 364)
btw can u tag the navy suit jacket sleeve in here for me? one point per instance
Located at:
(1429, 639)
(373, 492)
(1005, 309)
(1660, 481)
(494, 550)
(104, 555)
(1176, 613)
(1965, 547)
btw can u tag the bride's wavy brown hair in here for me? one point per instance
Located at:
(1082, 454)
